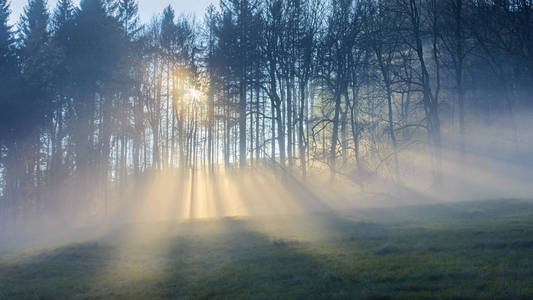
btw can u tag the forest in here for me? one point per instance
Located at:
(95, 105)
(267, 149)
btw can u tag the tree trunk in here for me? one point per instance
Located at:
(335, 136)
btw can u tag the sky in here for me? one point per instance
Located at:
(147, 8)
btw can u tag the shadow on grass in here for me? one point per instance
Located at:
(245, 258)
(54, 274)
(242, 263)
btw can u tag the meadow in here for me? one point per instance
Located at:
(468, 250)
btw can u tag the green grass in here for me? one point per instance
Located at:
(474, 250)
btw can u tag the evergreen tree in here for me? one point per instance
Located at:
(36, 57)
(63, 13)
(128, 16)
(168, 30)
(8, 75)
(8, 117)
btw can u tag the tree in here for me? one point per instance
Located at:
(93, 55)
(240, 15)
(416, 13)
(454, 39)
(35, 61)
(306, 46)
(384, 43)
(63, 13)
(333, 55)
(128, 16)
(10, 112)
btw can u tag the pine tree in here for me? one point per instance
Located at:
(127, 13)
(10, 120)
(8, 75)
(63, 13)
(6, 34)
(34, 23)
(168, 30)
(35, 61)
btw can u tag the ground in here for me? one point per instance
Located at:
(469, 250)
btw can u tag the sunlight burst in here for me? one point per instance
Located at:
(194, 94)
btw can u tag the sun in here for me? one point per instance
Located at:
(194, 94)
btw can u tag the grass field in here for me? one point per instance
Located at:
(473, 250)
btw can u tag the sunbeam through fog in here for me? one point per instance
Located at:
(271, 149)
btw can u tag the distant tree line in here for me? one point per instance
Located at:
(91, 100)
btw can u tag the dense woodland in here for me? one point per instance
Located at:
(92, 100)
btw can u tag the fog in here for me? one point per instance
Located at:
(259, 111)
(169, 202)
